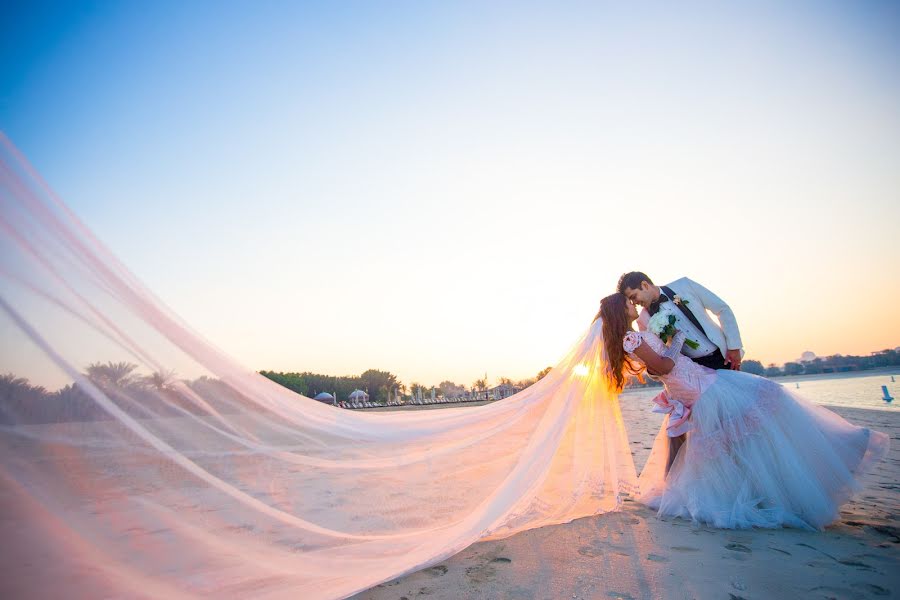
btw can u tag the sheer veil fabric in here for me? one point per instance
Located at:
(142, 461)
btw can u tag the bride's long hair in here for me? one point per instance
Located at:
(615, 326)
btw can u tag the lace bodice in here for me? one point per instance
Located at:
(686, 381)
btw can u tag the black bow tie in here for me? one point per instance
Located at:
(654, 306)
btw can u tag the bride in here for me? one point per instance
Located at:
(755, 456)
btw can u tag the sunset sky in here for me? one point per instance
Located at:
(445, 190)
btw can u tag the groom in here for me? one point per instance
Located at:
(719, 344)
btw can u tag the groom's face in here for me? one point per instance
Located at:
(642, 296)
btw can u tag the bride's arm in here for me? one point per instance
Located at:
(675, 345)
(656, 364)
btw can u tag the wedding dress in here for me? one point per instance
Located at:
(756, 455)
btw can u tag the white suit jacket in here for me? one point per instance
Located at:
(727, 336)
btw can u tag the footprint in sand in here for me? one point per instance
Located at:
(871, 588)
(740, 539)
(832, 592)
(819, 551)
(888, 530)
(657, 558)
(855, 563)
(485, 572)
(685, 549)
(437, 571)
(738, 548)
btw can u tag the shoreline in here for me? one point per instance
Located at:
(885, 371)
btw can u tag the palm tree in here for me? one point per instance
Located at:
(75, 405)
(10, 380)
(11, 384)
(19, 400)
(159, 380)
(112, 374)
(480, 385)
(524, 383)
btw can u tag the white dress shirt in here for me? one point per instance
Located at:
(682, 323)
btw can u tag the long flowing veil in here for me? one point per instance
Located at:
(136, 459)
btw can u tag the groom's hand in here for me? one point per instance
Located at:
(733, 359)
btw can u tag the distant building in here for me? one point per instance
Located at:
(504, 390)
(807, 357)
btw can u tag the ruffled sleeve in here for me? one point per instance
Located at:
(632, 340)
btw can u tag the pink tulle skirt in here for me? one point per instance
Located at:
(760, 456)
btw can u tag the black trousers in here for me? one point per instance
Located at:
(713, 361)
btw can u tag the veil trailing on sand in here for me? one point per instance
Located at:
(137, 459)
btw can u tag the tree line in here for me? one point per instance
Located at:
(382, 385)
(837, 363)
(378, 384)
(163, 394)
(159, 394)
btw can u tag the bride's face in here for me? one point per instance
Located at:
(631, 310)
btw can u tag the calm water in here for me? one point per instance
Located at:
(857, 390)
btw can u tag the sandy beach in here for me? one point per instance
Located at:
(625, 554)
(631, 554)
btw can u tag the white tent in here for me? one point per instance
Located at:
(324, 397)
(359, 395)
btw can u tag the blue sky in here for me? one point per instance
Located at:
(444, 189)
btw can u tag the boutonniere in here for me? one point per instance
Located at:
(680, 301)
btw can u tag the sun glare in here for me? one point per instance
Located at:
(581, 369)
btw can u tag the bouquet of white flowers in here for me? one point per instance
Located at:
(663, 325)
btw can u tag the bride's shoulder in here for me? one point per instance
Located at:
(632, 340)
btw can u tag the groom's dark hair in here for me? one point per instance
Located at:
(632, 280)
